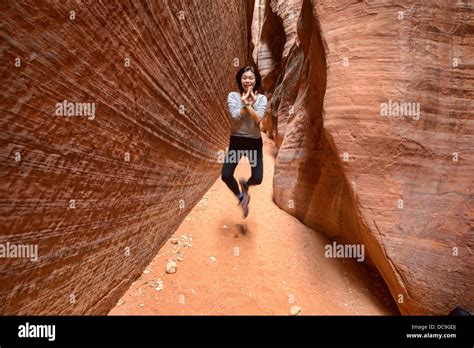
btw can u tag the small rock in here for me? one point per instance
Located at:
(171, 267)
(160, 285)
(212, 258)
(142, 305)
(295, 310)
(119, 303)
(179, 257)
(224, 226)
(146, 271)
(156, 284)
(174, 241)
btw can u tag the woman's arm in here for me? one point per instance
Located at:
(252, 113)
(233, 105)
(259, 114)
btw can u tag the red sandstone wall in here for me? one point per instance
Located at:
(359, 55)
(165, 112)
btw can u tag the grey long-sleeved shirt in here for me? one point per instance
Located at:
(245, 126)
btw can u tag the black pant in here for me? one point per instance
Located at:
(244, 145)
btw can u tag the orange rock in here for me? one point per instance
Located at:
(402, 186)
(100, 195)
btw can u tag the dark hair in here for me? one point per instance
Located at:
(258, 78)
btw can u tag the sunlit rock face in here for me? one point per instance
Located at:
(372, 112)
(112, 117)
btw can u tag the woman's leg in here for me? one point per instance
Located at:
(227, 175)
(257, 170)
(228, 169)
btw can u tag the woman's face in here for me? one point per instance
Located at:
(248, 80)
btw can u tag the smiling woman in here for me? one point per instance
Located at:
(247, 109)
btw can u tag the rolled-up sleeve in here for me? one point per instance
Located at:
(261, 107)
(234, 105)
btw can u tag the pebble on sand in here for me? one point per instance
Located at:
(156, 284)
(295, 310)
(174, 241)
(171, 267)
(160, 285)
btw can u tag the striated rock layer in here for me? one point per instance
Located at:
(400, 185)
(99, 195)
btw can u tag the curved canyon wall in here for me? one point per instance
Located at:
(372, 112)
(98, 193)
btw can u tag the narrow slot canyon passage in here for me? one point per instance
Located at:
(112, 116)
(262, 265)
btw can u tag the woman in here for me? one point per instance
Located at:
(247, 109)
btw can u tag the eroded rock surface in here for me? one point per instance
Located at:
(99, 195)
(401, 185)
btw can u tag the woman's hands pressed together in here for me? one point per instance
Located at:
(248, 98)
